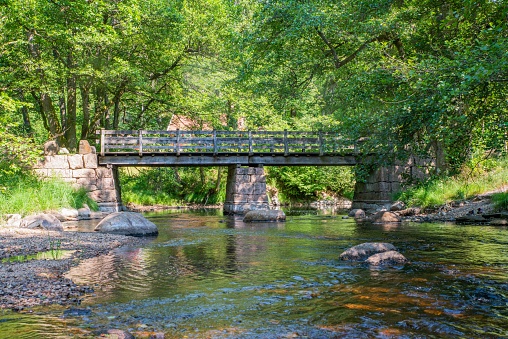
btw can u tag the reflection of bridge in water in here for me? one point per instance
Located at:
(223, 148)
(246, 186)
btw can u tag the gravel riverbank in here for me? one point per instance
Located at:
(26, 283)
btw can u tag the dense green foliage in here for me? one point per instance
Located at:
(425, 78)
(30, 195)
(311, 183)
(172, 186)
(474, 179)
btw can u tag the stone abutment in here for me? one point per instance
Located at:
(83, 171)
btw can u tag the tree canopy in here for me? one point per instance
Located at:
(426, 77)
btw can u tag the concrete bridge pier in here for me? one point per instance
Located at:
(245, 190)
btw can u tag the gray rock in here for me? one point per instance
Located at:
(64, 150)
(386, 258)
(264, 215)
(45, 221)
(84, 213)
(13, 220)
(397, 206)
(365, 250)
(357, 213)
(70, 213)
(385, 217)
(408, 212)
(51, 148)
(127, 223)
(84, 147)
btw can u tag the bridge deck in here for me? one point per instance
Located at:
(221, 148)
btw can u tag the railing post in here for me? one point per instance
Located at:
(250, 143)
(102, 142)
(286, 147)
(177, 141)
(215, 142)
(320, 143)
(140, 142)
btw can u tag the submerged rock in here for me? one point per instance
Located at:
(386, 258)
(365, 250)
(115, 333)
(357, 213)
(127, 223)
(385, 217)
(45, 221)
(264, 215)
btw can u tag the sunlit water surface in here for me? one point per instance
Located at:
(210, 276)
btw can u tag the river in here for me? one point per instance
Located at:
(211, 276)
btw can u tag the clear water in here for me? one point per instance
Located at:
(209, 276)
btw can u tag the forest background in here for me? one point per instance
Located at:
(424, 78)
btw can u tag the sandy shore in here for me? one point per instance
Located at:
(41, 282)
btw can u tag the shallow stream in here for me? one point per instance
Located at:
(210, 276)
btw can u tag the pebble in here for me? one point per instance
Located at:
(42, 282)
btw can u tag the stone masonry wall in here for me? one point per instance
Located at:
(82, 171)
(381, 185)
(245, 190)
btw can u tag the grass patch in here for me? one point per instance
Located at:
(500, 200)
(30, 195)
(471, 182)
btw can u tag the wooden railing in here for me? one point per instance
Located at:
(222, 142)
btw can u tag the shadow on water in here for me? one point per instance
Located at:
(211, 276)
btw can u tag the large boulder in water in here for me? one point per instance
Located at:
(386, 258)
(127, 223)
(365, 250)
(45, 221)
(264, 216)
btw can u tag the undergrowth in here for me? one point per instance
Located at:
(171, 186)
(472, 181)
(29, 195)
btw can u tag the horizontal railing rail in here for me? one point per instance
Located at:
(178, 142)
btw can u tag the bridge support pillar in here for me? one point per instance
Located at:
(245, 190)
(377, 191)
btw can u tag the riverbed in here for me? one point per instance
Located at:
(212, 276)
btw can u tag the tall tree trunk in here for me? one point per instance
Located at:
(202, 175)
(85, 103)
(116, 113)
(27, 126)
(219, 178)
(70, 126)
(48, 111)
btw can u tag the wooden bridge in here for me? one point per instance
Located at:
(223, 148)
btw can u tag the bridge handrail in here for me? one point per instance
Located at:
(233, 142)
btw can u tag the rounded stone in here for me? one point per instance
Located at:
(386, 258)
(45, 221)
(264, 215)
(127, 223)
(365, 250)
(385, 217)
